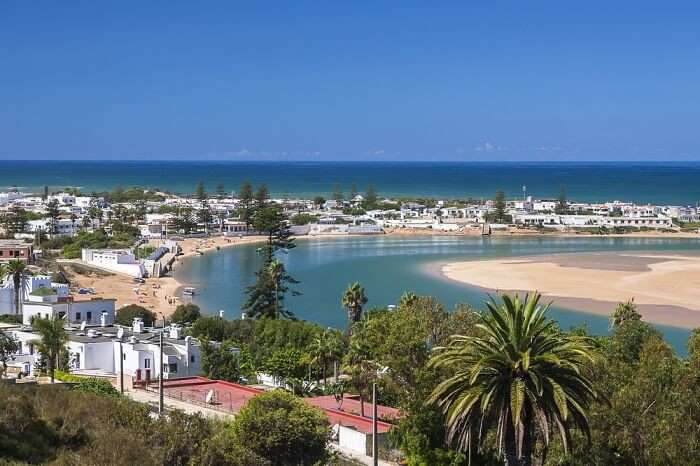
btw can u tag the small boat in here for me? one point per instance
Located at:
(188, 291)
(199, 253)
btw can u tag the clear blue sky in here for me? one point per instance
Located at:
(332, 80)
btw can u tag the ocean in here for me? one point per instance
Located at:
(674, 183)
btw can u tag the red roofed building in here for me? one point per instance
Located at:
(350, 430)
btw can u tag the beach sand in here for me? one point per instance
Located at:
(160, 295)
(665, 286)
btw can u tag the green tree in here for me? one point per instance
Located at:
(220, 191)
(18, 273)
(52, 340)
(500, 206)
(283, 429)
(245, 198)
(624, 312)
(353, 299)
(185, 313)
(266, 295)
(125, 315)
(262, 195)
(271, 221)
(523, 378)
(8, 347)
(361, 368)
(562, 203)
(319, 201)
(370, 201)
(226, 361)
(200, 193)
(338, 194)
(326, 347)
(52, 213)
(285, 364)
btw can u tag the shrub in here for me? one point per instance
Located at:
(185, 313)
(284, 429)
(126, 315)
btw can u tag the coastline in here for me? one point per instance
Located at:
(162, 295)
(662, 284)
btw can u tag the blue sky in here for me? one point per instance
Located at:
(350, 80)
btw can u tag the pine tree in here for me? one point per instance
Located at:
(271, 221)
(338, 194)
(245, 196)
(266, 295)
(200, 192)
(261, 196)
(500, 204)
(220, 191)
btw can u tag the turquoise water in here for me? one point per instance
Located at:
(388, 266)
(663, 183)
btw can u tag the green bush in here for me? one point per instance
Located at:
(283, 428)
(185, 313)
(125, 315)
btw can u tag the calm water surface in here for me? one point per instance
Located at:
(657, 182)
(388, 266)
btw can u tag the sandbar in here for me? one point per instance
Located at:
(665, 286)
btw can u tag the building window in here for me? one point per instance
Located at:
(192, 358)
(147, 363)
(171, 368)
(89, 316)
(124, 357)
(77, 316)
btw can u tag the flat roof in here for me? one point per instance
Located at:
(231, 397)
(14, 243)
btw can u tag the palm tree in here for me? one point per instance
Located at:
(624, 312)
(325, 348)
(276, 272)
(361, 369)
(353, 299)
(17, 270)
(407, 299)
(521, 377)
(52, 342)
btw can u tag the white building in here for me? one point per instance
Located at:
(100, 348)
(63, 226)
(115, 260)
(32, 284)
(74, 310)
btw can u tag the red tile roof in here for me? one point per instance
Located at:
(231, 397)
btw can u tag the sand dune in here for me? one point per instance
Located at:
(667, 287)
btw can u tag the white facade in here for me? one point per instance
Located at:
(116, 260)
(99, 348)
(92, 312)
(63, 226)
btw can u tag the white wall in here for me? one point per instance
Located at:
(354, 440)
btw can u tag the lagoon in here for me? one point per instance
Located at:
(389, 265)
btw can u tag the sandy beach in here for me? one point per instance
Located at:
(665, 286)
(160, 295)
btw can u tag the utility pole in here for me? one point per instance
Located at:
(160, 378)
(375, 453)
(121, 367)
